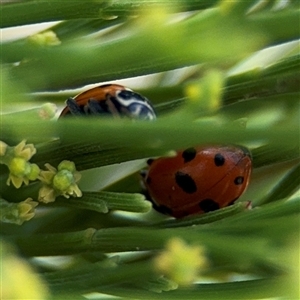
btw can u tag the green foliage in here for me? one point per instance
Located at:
(222, 72)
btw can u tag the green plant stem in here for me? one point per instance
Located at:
(123, 140)
(51, 10)
(139, 239)
(270, 154)
(89, 277)
(121, 7)
(65, 31)
(43, 11)
(281, 78)
(251, 289)
(272, 210)
(204, 218)
(269, 22)
(207, 40)
(105, 201)
(286, 187)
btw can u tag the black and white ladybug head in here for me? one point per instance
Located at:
(133, 105)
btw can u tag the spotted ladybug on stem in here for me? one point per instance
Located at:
(109, 99)
(198, 179)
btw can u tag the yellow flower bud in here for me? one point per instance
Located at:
(46, 38)
(67, 165)
(181, 262)
(62, 180)
(19, 166)
(34, 172)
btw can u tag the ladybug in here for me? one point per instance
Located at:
(109, 99)
(198, 179)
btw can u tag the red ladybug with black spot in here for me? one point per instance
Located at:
(109, 100)
(198, 179)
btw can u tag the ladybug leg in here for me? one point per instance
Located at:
(113, 105)
(74, 108)
(95, 107)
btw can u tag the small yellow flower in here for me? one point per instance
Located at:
(46, 38)
(27, 209)
(47, 111)
(19, 166)
(17, 213)
(24, 150)
(205, 96)
(193, 91)
(46, 194)
(17, 160)
(180, 262)
(21, 171)
(60, 182)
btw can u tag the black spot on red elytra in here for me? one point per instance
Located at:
(208, 205)
(238, 180)
(150, 161)
(185, 182)
(189, 154)
(219, 160)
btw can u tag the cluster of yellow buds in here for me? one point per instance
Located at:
(17, 160)
(55, 182)
(61, 181)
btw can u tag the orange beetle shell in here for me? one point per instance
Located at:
(98, 93)
(110, 99)
(199, 179)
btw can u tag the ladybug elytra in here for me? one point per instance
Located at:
(110, 99)
(198, 179)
